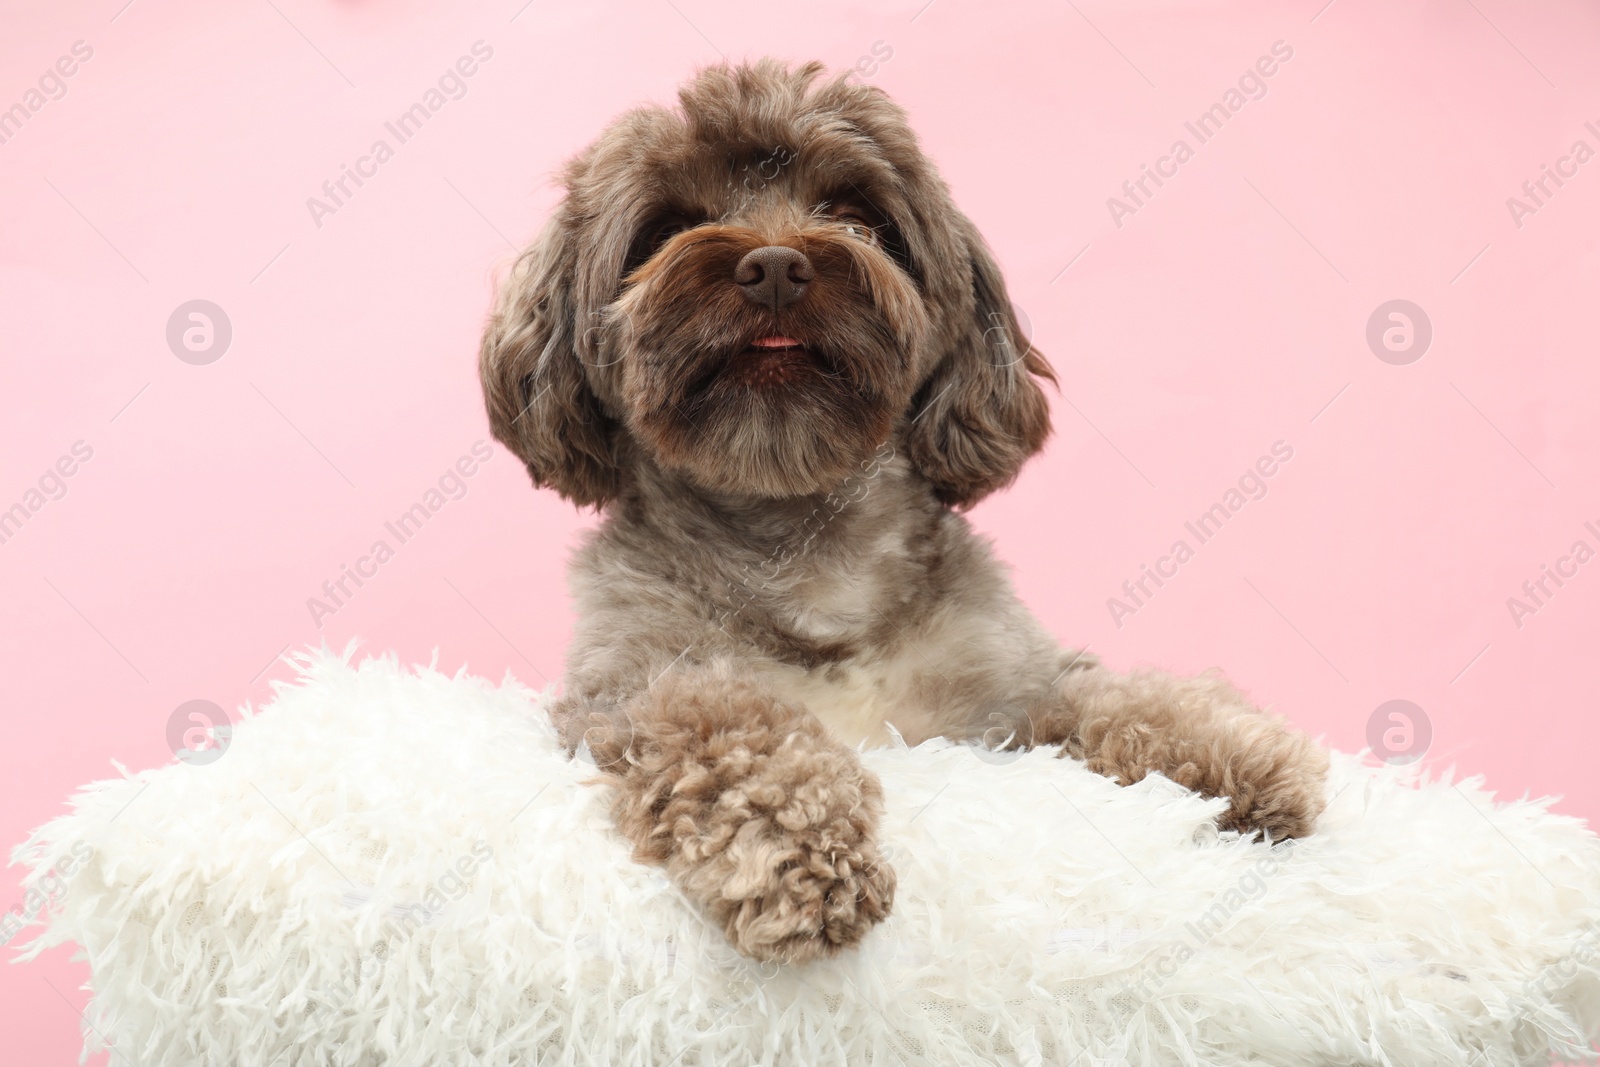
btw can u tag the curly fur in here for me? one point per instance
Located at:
(780, 574)
(1200, 732)
(758, 814)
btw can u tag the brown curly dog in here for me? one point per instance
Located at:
(760, 338)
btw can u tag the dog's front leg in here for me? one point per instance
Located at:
(1200, 732)
(761, 817)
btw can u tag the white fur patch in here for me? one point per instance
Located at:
(390, 866)
(859, 704)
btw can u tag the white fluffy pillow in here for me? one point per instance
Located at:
(393, 866)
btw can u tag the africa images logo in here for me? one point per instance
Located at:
(451, 85)
(1251, 485)
(51, 85)
(199, 732)
(1252, 85)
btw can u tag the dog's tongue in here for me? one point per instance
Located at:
(775, 341)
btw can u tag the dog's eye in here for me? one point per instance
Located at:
(667, 229)
(865, 222)
(857, 227)
(663, 230)
(652, 236)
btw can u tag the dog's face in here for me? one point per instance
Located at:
(756, 293)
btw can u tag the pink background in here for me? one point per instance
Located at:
(1227, 313)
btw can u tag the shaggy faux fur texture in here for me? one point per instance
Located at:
(390, 867)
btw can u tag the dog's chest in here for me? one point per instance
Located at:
(859, 702)
(842, 600)
(853, 607)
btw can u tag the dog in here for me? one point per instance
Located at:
(761, 340)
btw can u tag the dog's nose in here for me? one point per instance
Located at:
(774, 276)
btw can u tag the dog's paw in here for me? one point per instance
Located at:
(1202, 734)
(1276, 785)
(781, 851)
(760, 817)
(795, 897)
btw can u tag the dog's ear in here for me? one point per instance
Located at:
(540, 403)
(980, 414)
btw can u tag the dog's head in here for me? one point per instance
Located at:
(756, 292)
